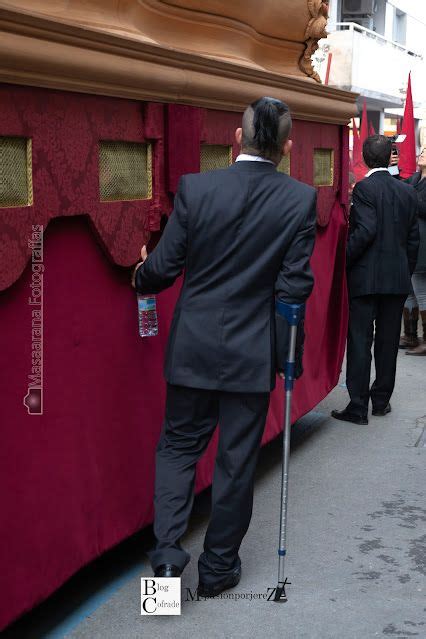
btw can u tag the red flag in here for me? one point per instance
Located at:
(407, 150)
(359, 167)
(371, 129)
(355, 139)
(356, 153)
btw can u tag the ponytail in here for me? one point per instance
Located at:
(271, 125)
(265, 122)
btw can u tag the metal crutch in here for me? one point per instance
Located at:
(293, 313)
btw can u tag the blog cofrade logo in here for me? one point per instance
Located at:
(160, 596)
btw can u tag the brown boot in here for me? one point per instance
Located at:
(411, 318)
(421, 348)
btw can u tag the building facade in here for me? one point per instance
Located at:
(371, 48)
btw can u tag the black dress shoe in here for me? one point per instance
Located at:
(212, 590)
(346, 416)
(168, 570)
(381, 412)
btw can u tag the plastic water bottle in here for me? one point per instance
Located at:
(147, 315)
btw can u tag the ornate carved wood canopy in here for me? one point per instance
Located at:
(212, 53)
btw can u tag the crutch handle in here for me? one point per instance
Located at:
(293, 314)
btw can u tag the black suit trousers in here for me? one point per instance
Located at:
(366, 313)
(191, 417)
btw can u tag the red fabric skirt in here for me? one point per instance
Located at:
(79, 478)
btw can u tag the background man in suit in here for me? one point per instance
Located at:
(381, 256)
(245, 235)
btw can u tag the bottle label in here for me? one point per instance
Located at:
(146, 304)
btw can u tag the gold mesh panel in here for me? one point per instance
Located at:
(323, 167)
(125, 171)
(215, 156)
(16, 188)
(284, 165)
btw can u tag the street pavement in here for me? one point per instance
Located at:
(356, 543)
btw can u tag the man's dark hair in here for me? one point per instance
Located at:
(266, 126)
(376, 151)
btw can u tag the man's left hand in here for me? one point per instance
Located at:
(144, 255)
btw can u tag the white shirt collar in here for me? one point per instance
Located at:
(375, 170)
(245, 157)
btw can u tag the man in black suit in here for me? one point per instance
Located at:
(381, 256)
(244, 235)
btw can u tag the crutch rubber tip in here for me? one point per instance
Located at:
(280, 593)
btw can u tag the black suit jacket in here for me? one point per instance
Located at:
(383, 237)
(244, 235)
(419, 185)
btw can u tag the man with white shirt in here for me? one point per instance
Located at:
(245, 236)
(381, 256)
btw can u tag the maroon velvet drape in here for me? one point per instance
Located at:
(79, 478)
